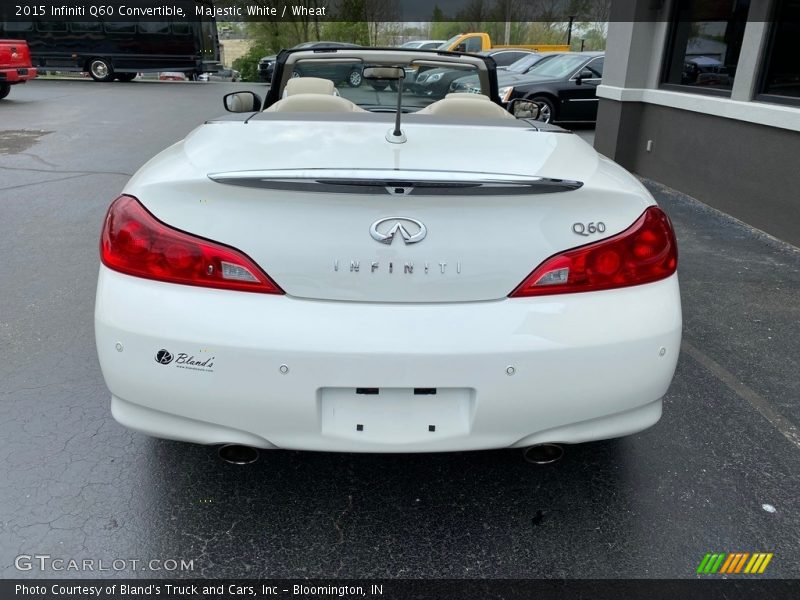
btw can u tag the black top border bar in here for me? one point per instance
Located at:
(376, 11)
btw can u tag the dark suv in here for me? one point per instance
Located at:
(266, 65)
(265, 68)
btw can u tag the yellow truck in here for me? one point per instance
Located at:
(481, 42)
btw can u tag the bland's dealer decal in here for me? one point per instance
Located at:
(185, 361)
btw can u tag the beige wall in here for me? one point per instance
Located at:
(230, 50)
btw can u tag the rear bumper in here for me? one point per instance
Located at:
(585, 367)
(17, 75)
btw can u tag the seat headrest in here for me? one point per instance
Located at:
(309, 85)
(467, 96)
(314, 103)
(466, 105)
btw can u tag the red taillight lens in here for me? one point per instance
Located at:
(643, 253)
(136, 243)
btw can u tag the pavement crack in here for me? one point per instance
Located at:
(33, 183)
(337, 523)
(37, 387)
(64, 172)
(37, 158)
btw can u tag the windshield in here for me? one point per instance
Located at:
(450, 42)
(422, 85)
(524, 63)
(558, 67)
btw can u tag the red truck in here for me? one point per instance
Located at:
(15, 65)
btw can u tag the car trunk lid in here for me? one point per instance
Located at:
(424, 221)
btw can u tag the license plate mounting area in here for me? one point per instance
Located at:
(393, 415)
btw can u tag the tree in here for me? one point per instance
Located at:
(353, 32)
(378, 15)
(247, 64)
(593, 24)
(594, 38)
(277, 32)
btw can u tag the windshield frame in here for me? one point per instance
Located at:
(485, 67)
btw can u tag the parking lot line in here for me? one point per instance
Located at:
(756, 400)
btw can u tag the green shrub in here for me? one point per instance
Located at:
(247, 64)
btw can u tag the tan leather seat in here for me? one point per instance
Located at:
(466, 105)
(309, 85)
(314, 103)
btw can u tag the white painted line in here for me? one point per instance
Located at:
(788, 429)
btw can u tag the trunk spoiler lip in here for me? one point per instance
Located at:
(402, 182)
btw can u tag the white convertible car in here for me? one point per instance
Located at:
(323, 271)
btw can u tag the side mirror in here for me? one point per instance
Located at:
(524, 109)
(242, 102)
(584, 74)
(462, 47)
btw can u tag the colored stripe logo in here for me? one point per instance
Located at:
(733, 563)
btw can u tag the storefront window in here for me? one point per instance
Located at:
(705, 42)
(782, 67)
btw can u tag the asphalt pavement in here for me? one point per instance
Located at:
(719, 473)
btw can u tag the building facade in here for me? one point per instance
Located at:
(704, 96)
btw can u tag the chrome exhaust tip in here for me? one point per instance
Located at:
(236, 454)
(543, 454)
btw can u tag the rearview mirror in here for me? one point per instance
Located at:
(524, 109)
(242, 102)
(384, 73)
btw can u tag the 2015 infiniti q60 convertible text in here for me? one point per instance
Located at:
(332, 273)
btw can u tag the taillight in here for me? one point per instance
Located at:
(136, 243)
(643, 253)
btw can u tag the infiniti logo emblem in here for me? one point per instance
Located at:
(411, 230)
